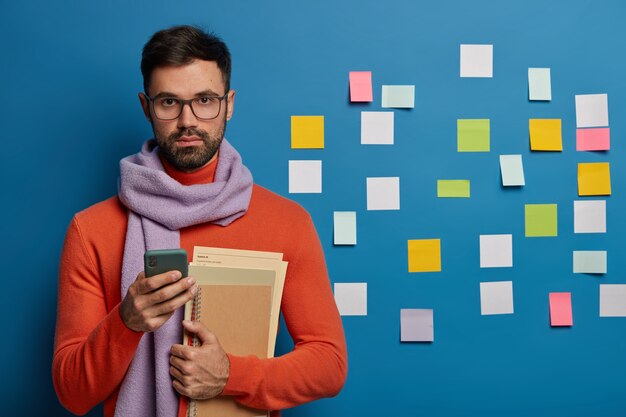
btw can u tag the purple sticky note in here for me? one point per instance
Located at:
(416, 325)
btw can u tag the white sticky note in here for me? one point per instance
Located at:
(612, 300)
(592, 110)
(351, 298)
(512, 170)
(477, 61)
(416, 325)
(590, 261)
(344, 227)
(377, 128)
(496, 297)
(496, 251)
(398, 96)
(305, 177)
(590, 216)
(383, 193)
(539, 87)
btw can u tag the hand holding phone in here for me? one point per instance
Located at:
(158, 291)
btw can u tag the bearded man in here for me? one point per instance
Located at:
(118, 334)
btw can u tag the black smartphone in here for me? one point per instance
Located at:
(163, 260)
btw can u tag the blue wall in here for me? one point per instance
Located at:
(70, 74)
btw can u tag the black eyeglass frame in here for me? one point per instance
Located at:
(183, 103)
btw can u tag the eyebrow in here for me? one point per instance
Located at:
(207, 92)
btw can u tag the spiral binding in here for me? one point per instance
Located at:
(195, 315)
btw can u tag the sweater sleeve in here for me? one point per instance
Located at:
(317, 366)
(93, 347)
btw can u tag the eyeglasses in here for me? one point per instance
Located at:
(170, 108)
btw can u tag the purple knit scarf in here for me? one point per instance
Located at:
(159, 206)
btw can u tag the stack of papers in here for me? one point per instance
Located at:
(239, 300)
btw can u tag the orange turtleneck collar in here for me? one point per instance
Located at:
(204, 175)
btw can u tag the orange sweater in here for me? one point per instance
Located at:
(93, 347)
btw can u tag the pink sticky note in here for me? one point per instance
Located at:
(597, 139)
(361, 86)
(561, 309)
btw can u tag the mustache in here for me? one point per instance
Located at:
(190, 131)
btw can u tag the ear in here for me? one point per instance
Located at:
(145, 106)
(231, 104)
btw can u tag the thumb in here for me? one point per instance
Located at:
(199, 329)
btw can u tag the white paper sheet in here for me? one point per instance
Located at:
(351, 298)
(612, 300)
(590, 216)
(592, 110)
(383, 193)
(305, 177)
(477, 61)
(377, 128)
(496, 251)
(496, 297)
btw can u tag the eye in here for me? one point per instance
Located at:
(168, 102)
(206, 100)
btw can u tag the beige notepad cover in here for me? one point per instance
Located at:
(239, 316)
(236, 305)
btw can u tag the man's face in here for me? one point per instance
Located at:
(187, 142)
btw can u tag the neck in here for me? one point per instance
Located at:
(203, 175)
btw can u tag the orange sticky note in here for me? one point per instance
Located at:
(545, 134)
(594, 178)
(561, 309)
(425, 255)
(596, 139)
(361, 86)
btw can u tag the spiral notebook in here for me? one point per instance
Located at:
(241, 306)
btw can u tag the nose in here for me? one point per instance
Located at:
(187, 118)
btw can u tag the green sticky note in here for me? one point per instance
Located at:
(472, 135)
(590, 262)
(539, 84)
(398, 96)
(541, 220)
(345, 227)
(453, 188)
(512, 170)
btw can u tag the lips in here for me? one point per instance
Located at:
(189, 141)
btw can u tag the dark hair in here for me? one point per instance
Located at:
(180, 45)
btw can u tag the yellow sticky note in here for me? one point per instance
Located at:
(545, 135)
(425, 255)
(307, 132)
(594, 178)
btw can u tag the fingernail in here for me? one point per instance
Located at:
(176, 275)
(191, 280)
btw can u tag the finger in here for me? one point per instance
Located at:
(170, 306)
(176, 374)
(181, 365)
(180, 388)
(171, 290)
(150, 284)
(199, 329)
(182, 351)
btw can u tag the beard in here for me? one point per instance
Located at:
(192, 157)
